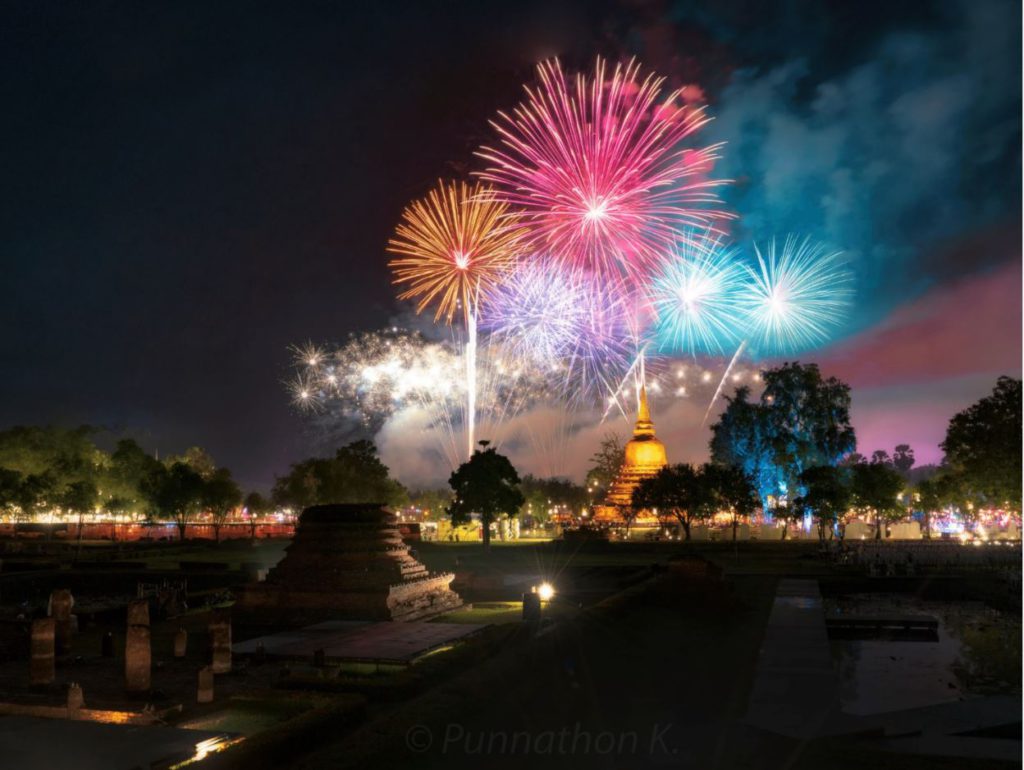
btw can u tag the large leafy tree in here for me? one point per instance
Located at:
(354, 475)
(198, 459)
(79, 497)
(808, 419)
(36, 492)
(802, 420)
(944, 491)
(733, 490)
(176, 492)
(49, 460)
(221, 495)
(875, 488)
(680, 490)
(486, 484)
(10, 486)
(983, 446)
(826, 496)
(68, 455)
(124, 478)
(256, 505)
(741, 439)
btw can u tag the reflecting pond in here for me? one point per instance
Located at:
(978, 652)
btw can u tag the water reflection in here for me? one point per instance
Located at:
(977, 653)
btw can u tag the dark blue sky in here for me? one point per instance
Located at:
(189, 188)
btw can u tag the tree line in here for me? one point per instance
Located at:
(47, 468)
(792, 453)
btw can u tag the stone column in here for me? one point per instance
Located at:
(220, 641)
(137, 653)
(42, 647)
(61, 603)
(204, 693)
(76, 700)
(531, 607)
(180, 643)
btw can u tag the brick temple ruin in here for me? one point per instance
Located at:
(348, 562)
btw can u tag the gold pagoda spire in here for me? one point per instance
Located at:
(643, 457)
(644, 426)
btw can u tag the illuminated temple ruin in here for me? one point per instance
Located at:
(643, 457)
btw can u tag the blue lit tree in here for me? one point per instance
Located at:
(801, 421)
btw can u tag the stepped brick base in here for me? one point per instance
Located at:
(348, 562)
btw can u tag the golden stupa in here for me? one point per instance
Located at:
(644, 457)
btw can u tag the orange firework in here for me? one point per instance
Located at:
(455, 244)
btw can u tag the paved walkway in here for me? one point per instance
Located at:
(359, 640)
(795, 690)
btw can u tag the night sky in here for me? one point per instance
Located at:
(190, 188)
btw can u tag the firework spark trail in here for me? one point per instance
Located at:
(454, 246)
(599, 168)
(721, 384)
(379, 376)
(470, 384)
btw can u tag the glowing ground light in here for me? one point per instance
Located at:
(546, 591)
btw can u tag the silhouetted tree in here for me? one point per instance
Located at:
(486, 484)
(733, 491)
(983, 446)
(680, 490)
(881, 457)
(876, 488)
(10, 485)
(79, 497)
(354, 475)
(257, 505)
(221, 495)
(606, 462)
(826, 496)
(176, 492)
(903, 459)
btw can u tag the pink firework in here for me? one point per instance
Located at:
(602, 170)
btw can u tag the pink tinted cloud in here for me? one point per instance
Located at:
(972, 326)
(930, 359)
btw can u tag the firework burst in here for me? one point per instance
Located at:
(374, 374)
(796, 296)
(453, 245)
(600, 169)
(696, 297)
(560, 321)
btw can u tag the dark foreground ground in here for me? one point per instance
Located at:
(656, 673)
(647, 659)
